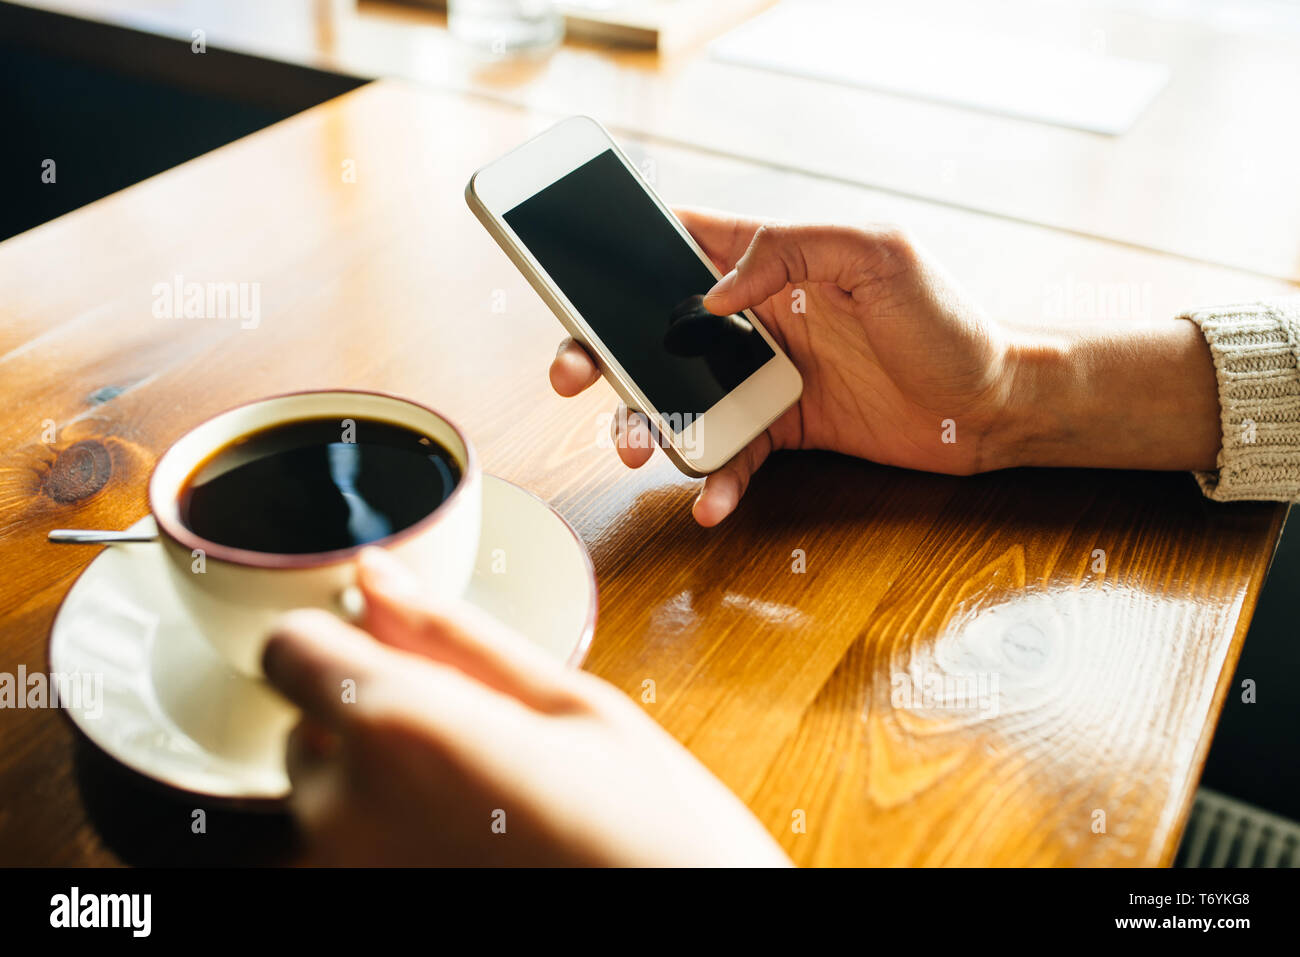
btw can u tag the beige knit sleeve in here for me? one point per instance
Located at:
(1255, 347)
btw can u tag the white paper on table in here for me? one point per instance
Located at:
(883, 48)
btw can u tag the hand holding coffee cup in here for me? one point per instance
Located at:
(263, 508)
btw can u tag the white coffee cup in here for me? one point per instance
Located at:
(234, 595)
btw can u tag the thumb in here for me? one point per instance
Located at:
(779, 255)
(460, 636)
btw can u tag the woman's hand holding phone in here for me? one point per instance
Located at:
(897, 366)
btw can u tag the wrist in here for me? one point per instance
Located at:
(1031, 429)
(1110, 395)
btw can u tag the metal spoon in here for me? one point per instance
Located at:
(91, 536)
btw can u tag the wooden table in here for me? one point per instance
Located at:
(1109, 681)
(1207, 173)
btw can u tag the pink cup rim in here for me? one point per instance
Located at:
(178, 533)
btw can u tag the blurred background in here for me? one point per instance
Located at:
(1166, 125)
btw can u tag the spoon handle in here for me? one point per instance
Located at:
(90, 536)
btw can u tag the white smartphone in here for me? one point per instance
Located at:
(625, 278)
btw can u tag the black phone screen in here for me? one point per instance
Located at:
(634, 280)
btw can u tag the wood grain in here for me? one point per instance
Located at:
(780, 680)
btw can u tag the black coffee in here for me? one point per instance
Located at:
(316, 485)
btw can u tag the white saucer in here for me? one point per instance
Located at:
(173, 711)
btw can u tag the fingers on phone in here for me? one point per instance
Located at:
(572, 369)
(724, 237)
(632, 437)
(723, 489)
(780, 254)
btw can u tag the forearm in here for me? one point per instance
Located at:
(1112, 395)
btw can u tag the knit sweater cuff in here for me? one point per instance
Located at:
(1255, 346)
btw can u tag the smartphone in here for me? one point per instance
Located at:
(625, 279)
